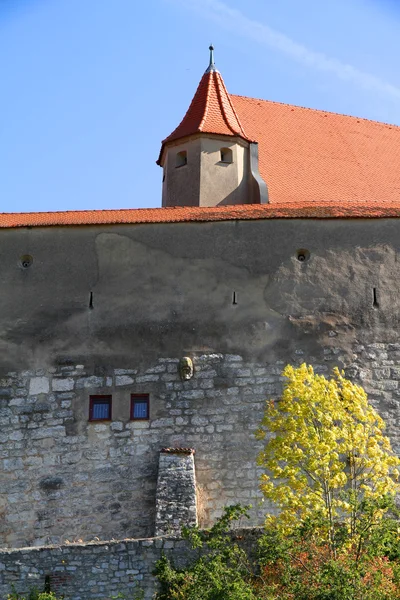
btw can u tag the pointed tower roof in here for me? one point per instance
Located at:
(211, 110)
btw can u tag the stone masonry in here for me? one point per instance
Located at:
(176, 491)
(99, 569)
(64, 478)
(89, 571)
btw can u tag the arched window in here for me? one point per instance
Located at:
(181, 159)
(226, 155)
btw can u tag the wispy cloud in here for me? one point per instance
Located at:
(264, 35)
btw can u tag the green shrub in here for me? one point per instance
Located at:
(221, 570)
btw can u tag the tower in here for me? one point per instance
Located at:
(208, 160)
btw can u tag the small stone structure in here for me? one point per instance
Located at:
(176, 491)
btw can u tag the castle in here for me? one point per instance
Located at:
(139, 346)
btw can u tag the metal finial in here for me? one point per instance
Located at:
(211, 66)
(211, 49)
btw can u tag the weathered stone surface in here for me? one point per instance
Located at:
(176, 503)
(98, 570)
(39, 385)
(63, 385)
(123, 380)
(48, 437)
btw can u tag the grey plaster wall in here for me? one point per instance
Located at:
(162, 289)
(113, 309)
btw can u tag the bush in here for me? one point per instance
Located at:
(33, 595)
(220, 571)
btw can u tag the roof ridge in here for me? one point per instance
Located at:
(319, 110)
(207, 104)
(222, 84)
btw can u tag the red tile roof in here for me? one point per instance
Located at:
(290, 210)
(304, 154)
(211, 111)
(310, 155)
(316, 164)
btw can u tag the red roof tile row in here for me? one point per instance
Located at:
(289, 210)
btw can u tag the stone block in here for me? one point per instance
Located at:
(123, 380)
(117, 426)
(48, 432)
(90, 382)
(147, 378)
(39, 385)
(62, 385)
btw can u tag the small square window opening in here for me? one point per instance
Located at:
(226, 155)
(100, 408)
(181, 159)
(140, 407)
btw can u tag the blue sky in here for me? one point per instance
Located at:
(89, 88)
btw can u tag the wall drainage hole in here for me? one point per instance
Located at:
(303, 255)
(26, 261)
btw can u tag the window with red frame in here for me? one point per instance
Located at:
(140, 407)
(100, 408)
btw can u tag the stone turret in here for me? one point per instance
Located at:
(208, 160)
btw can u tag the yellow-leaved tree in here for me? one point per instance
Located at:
(326, 457)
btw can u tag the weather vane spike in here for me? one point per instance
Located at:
(211, 66)
(211, 49)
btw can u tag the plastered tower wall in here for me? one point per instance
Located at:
(181, 184)
(206, 180)
(112, 310)
(224, 182)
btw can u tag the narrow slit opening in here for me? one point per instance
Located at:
(234, 298)
(375, 303)
(91, 300)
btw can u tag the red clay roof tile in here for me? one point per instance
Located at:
(282, 210)
(311, 155)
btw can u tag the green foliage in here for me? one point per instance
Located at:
(221, 570)
(298, 566)
(134, 595)
(301, 566)
(33, 595)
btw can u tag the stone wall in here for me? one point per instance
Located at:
(86, 572)
(65, 478)
(99, 569)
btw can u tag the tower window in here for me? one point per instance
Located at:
(226, 155)
(181, 159)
